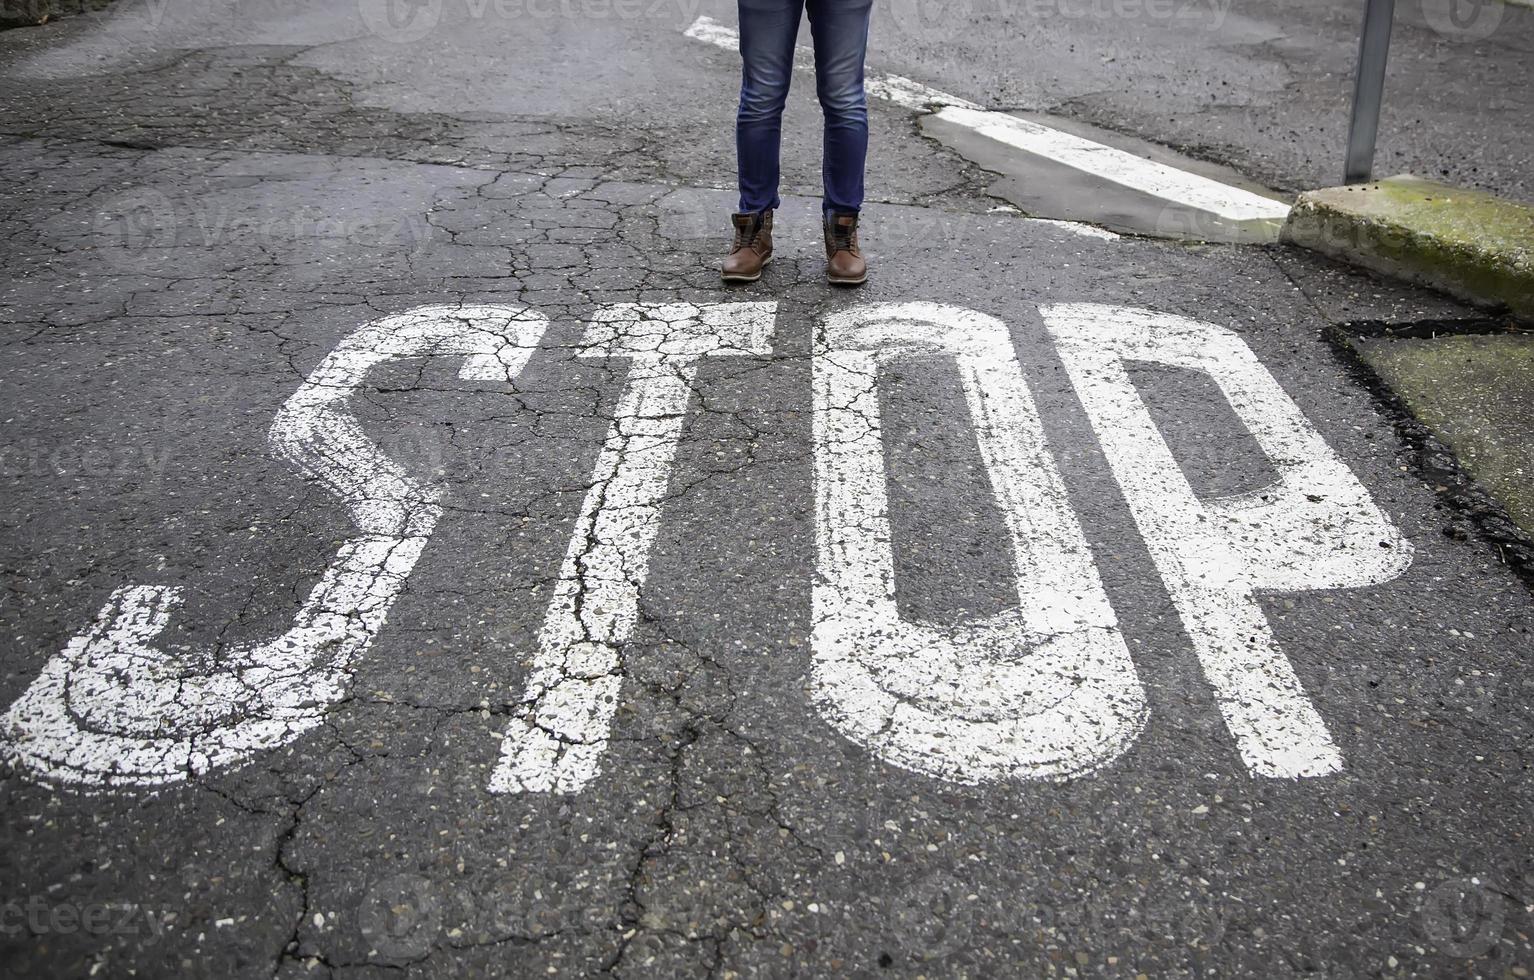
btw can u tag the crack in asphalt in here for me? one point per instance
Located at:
(561, 217)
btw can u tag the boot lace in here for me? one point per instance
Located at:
(841, 238)
(747, 234)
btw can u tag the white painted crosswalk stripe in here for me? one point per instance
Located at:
(1106, 162)
(1124, 169)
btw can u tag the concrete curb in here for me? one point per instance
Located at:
(1468, 243)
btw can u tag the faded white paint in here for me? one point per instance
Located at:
(1079, 228)
(113, 709)
(1045, 691)
(555, 744)
(1107, 162)
(1112, 164)
(1314, 528)
(710, 31)
(911, 94)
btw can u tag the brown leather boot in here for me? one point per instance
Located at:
(751, 249)
(844, 262)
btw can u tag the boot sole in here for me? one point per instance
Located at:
(727, 277)
(847, 282)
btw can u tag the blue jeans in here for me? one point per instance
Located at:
(768, 29)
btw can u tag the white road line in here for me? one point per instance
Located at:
(912, 94)
(1078, 228)
(1315, 527)
(1043, 691)
(710, 30)
(556, 743)
(1107, 162)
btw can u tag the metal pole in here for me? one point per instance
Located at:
(1368, 89)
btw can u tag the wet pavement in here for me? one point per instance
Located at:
(1059, 603)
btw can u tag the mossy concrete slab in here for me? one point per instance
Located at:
(1469, 243)
(1477, 395)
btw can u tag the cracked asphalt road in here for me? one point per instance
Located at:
(206, 204)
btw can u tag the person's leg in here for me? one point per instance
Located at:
(767, 32)
(840, 30)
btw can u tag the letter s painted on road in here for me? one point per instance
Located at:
(115, 710)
